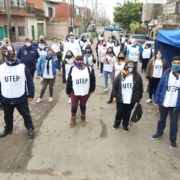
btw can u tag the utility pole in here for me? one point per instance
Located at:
(9, 27)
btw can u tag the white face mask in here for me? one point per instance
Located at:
(28, 44)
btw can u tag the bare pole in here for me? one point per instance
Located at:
(8, 7)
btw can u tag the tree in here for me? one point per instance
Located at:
(136, 27)
(125, 14)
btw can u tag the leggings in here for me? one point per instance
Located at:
(74, 104)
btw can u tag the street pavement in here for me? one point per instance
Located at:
(94, 152)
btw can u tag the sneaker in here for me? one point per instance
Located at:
(115, 126)
(156, 135)
(39, 100)
(126, 129)
(149, 101)
(106, 90)
(50, 99)
(69, 101)
(173, 145)
(100, 74)
(31, 133)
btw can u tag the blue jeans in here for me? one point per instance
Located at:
(106, 77)
(173, 121)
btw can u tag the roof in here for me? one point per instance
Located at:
(171, 37)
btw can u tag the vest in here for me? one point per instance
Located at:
(13, 80)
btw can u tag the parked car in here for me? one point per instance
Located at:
(138, 37)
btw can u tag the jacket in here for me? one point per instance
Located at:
(42, 63)
(69, 85)
(28, 56)
(29, 91)
(150, 67)
(161, 91)
(137, 88)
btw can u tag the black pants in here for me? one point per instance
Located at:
(153, 84)
(144, 64)
(101, 67)
(23, 109)
(123, 113)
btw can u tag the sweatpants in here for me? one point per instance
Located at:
(23, 109)
(144, 65)
(123, 112)
(174, 114)
(153, 84)
(75, 101)
(45, 83)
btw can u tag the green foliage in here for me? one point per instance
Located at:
(125, 14)
(136, 27)
(94, 34)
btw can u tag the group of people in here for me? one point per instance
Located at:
(117, 60)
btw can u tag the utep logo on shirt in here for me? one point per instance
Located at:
(11, 78)
(81, 81)
(172, 88)
(127, 85)
(157, 66)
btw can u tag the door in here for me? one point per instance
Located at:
(1, 33)
(40, 27)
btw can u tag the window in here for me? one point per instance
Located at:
(50, 12)
(21, 31)
(178, 7)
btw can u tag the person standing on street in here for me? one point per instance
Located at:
(80, 84)
(154, 72)
(168, 99)
(16, 90)
(46, 69)
(127, 90)
(29, 56)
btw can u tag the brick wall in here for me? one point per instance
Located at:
(38, 4)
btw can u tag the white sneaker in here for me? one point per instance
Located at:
(38, 100)
(100, 74)
(69, 101)
(106, 90)
(149, 101)
(50, 99)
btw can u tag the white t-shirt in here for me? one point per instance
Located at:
(146, 54)
(80, 81)
(118, 67)
(88, 60)
(158, 69)
(172, 91)
(108, 63)
(134, 53)
(116, 50)
(45, 74)
(12, 80)
(127, 89)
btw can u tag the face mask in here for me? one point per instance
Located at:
(175, 68)
(49, 56)
(79, 64)
(69, 56)
(121, 58)
(109, 52)
(130, 69)
(28, 44)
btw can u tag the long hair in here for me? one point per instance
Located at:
(124, 71)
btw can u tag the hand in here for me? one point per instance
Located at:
(30, 99)
(114, 99)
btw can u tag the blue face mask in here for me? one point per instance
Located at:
(49, 56)
(79, 64)
(175, 68)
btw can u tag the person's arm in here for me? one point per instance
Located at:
(141, 86)
(69, 83)
(92, 81)
(30, 83)
(39, 67)
(148, 69)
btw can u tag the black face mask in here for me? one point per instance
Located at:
(69, 56)
(121, 58)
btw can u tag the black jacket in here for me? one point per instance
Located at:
(69, 87)
(137, 88)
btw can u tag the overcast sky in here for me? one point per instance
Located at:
(107, 5)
